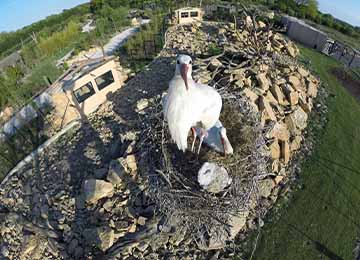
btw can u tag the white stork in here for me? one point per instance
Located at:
(189, 105)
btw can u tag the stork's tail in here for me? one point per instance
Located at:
(180, 138)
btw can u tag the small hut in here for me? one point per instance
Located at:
(188, 15)
(88, 85)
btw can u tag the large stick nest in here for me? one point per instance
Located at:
(173, 174)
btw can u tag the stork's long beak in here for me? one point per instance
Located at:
(184, 70)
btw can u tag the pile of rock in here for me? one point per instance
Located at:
(264, 71)
(192, 38)
(75, 201)
(283, 96)
(84, 198)
(261, 65)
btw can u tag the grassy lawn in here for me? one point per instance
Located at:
(322, 219)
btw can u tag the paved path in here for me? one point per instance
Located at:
(117, 41)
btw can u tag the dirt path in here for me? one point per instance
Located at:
(348, 81)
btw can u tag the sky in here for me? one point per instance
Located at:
(16, 14)
(346, 10)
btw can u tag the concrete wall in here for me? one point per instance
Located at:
(306, 35)
(25, 115)
(100, 96)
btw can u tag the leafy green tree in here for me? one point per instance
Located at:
(101, 25)
(12, 41)
(312, 8)
(96, 6)
(118, 3)
(307, 8)
(327, 19)
(50, 45)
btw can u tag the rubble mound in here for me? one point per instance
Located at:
(115, 187)
(267, 98)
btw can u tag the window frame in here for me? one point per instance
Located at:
(184, 14)
(99, 86)
(92, 92)
(194, 12)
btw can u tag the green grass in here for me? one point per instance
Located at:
(322, 219)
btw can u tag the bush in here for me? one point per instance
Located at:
(147, 33)
(59, 40)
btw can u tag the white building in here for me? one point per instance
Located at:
(188, 15)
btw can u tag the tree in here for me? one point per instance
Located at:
(96, 6)
(327, 20)
(118, 3)
(308, 8)
(100, 33)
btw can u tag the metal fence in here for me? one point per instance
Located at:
(149, 48)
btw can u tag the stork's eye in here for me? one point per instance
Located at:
(178, 62)
(190, 62)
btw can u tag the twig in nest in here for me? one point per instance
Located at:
(165, 177)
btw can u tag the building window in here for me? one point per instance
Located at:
(185, 15)
(104, 80)
(194, 14)
(84, 92)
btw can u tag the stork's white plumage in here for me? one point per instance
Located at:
(190, 104)
(217, 139)
(216, 136)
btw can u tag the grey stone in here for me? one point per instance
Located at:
(79, 253)
(141, 105)
(100, 173)
(44, 211)
(116, 172)
(265, 187)
(108, 205)
(213, 178)
(237, 222)
(297, 120)
(102, 237)
(95, 190)
(72, 246)
(5, 251)
(142, 246)
(29, 244)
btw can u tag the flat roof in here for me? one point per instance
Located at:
(303, 23)
(77, 71)
(188, 9)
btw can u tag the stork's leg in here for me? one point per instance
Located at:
(203, 135)
(223, 145)
(194, 135)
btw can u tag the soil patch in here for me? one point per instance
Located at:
(348, 81)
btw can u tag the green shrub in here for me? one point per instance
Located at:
(214, 49)
(48, 46)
